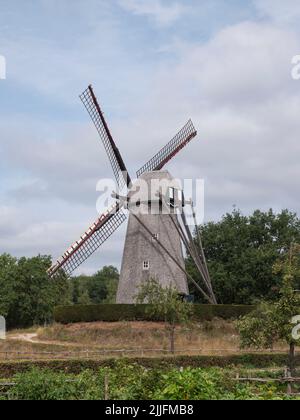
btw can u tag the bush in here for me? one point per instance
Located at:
(8, 369)
(129, 381)
(114, 313)
(40, 385)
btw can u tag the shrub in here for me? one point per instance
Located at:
(8, 369)
(129, 381)
(37, 384)
(115, 313)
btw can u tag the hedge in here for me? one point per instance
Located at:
(114, 313)
(258, 361)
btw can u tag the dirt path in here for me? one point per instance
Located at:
(33, 339)
(29, 338)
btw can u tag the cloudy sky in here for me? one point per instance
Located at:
(153, 64)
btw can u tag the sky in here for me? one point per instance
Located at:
(153, 64)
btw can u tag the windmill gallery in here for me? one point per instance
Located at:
(157, 226)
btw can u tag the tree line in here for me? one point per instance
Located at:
(28, 295)
(241, 252)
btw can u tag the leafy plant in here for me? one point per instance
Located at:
(165, 303)
(126, 381)
(271, 322)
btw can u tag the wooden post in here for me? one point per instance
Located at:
(106, 387)
(287, 375)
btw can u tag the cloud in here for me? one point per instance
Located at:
(59, 162)
(163, 14)
(281, 12)
(235, 84)
(239, 91)
(25, 234)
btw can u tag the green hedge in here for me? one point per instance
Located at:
(114, 313)
(258, 361)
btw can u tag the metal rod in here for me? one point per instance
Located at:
(193, 251)
(209, 285)
(200, 242)
(186, 243)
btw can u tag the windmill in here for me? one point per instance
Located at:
(153, 244)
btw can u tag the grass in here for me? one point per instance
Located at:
(216, 337)
(9, 346)
(118, 339)
(144, 335)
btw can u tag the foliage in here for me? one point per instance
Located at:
(167, 304)
(115, 313)
(96, 289)
(28, 295)
(272, 322)
(164, 302)
(8, 267)
(201, 384)
(47, 385)
(258, 329)
(248, 361)
(241, 252)
(103, 286)
(127, 381)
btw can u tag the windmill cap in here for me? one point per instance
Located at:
(151, 184)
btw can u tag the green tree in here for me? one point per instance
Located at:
(79, 287)
(84, 298)
(273, 321)
(28, 295)
(96, 289)
(167, 304)
(241, 251)
(8, 270)
(103, 285)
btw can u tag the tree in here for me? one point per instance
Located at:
(111, 288)
(96, 289)
(79, 287)
(8, 268)
(166, 304)
(84, 298)
(241, 251)
(28, 295)
(103, 284)
(272, 322)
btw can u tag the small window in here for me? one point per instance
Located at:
(172, 193)
(180, 196)
(146, 265)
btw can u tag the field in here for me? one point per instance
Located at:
(100, 339)
(109, 361)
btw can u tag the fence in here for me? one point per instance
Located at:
(105, 353)
(287, 379)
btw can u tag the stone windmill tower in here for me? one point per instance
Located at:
(153, 245)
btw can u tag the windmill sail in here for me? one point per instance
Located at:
(110, 221)
(91, 104)
(185, 135)
(90, 241)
